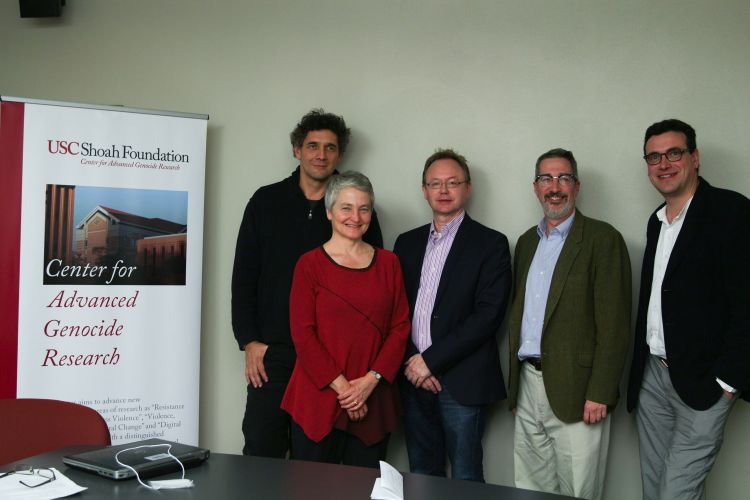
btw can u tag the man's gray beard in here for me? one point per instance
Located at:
(562, 213)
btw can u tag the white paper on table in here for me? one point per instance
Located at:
(11, 488)
(390, 484)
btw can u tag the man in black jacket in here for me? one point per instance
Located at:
(692, 335)
(281, 222)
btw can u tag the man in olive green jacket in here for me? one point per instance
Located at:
(569, 328)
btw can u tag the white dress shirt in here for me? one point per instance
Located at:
(654, 324)
(667, 237)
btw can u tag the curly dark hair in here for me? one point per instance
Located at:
(318, 119)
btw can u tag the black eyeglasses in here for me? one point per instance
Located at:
(545, 180)
(672, 154)
(47, 475)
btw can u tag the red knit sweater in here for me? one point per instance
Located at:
(346, 321)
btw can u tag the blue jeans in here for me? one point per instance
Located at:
(435, 424)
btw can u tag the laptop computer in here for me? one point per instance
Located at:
(148, 462)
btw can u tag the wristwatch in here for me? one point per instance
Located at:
(376, 375)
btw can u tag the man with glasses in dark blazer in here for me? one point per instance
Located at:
(457, 279)
(692, 338)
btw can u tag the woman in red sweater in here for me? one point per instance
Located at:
(350, 322)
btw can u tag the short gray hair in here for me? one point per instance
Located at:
(344, 180)
(558, 153)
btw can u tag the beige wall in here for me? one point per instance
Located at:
(500, 80)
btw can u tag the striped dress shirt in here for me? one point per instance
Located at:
(438, 246)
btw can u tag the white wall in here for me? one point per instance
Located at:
(499, 80)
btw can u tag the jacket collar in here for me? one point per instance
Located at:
(694, 221)
(454, 256)
(570, 250)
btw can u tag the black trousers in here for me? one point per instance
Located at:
(338, 447)
(266, 425)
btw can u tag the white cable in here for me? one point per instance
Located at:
(163, 484)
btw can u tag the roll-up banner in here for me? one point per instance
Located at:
(101, 251)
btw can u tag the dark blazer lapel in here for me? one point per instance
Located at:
(652, 235)
(649, 254)
(570, 250)
(454, 256)
(690, 227)
(416, 258)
